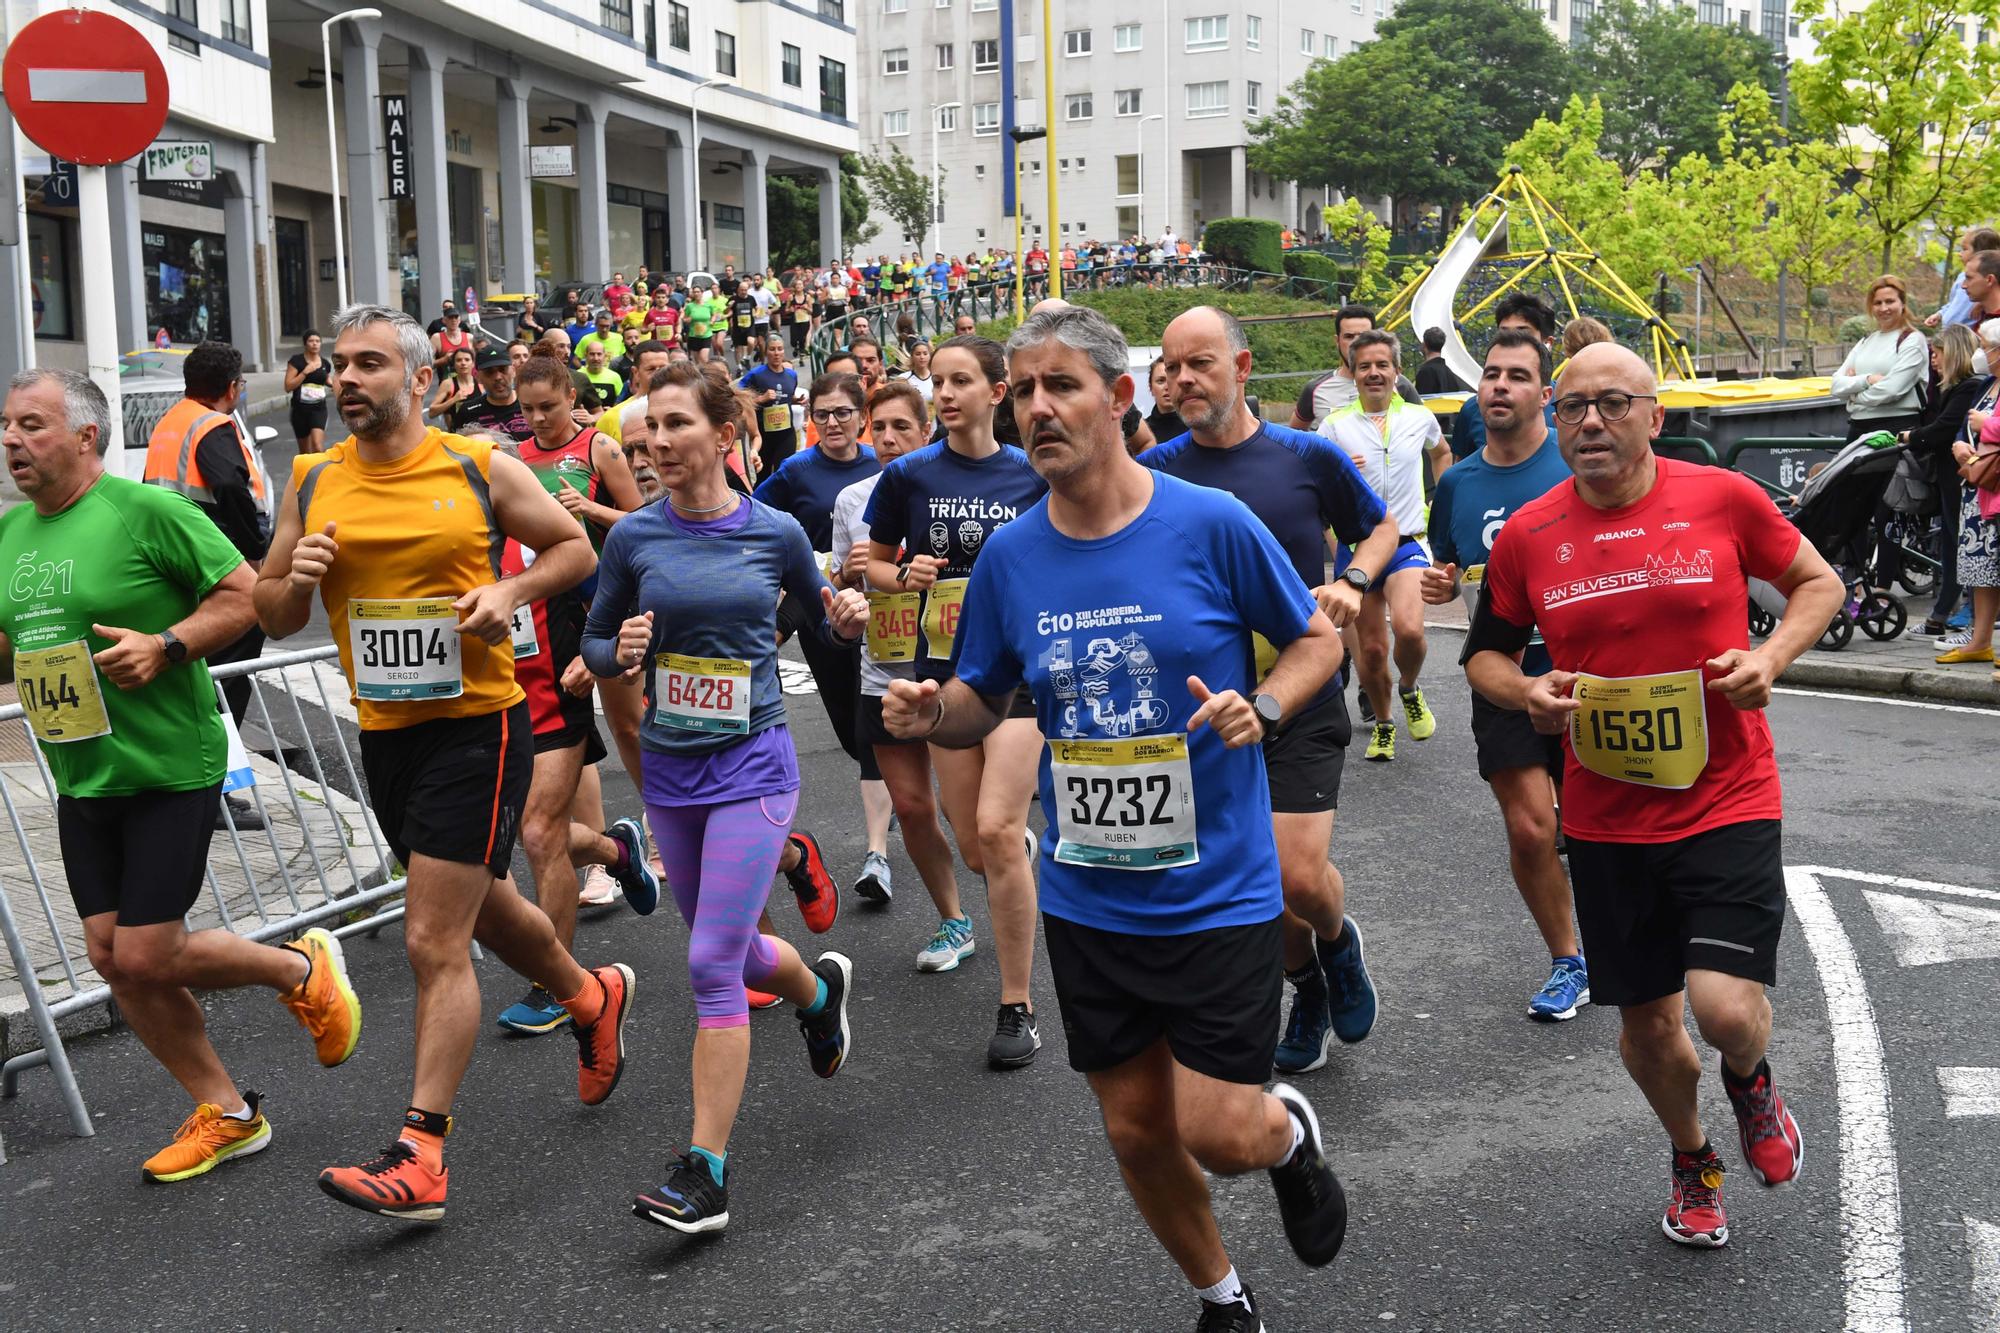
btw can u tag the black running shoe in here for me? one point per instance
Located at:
(1309, 1195)
(1235, 1317)
(690, 1202)
(826, 1031)
(1015, 1038)
(636, 877)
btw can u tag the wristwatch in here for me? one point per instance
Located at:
(1355, 577)
(1267, 708)
(176, 650)
(903, 574)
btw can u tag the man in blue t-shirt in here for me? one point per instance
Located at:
(1519, 463)
(1127, 600)
(1305, 492)
(777, 388)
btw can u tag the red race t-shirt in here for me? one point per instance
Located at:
(1654, 588)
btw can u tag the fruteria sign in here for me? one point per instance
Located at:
(179, 160)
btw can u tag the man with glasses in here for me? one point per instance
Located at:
(1636, 575)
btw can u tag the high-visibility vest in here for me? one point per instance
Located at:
(170, 459)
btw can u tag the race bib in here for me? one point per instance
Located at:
(1470, 581)
(892, 625)
(312, 393)
(775, 417)
(1124, 804)
(942, 605)
(404, 648)
(743, 321)
(1264, 652)
(702, 693)
(1649, 730)
(60, 693)
(522, 629)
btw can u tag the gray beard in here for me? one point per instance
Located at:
(383, 418)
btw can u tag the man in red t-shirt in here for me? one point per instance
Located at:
(1636, 575)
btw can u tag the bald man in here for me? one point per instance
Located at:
(1635, 573)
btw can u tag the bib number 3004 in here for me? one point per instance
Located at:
(1124, 804)
(405, 649)
(1647, 730)
(702, 693)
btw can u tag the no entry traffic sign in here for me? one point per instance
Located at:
(85, 86)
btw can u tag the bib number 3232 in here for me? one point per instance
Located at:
(405, 648)
(1648, 730)
(1124, 804)
(702, 693)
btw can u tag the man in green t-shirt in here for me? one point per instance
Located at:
(115, 591)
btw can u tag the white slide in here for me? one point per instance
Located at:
(1431, 307)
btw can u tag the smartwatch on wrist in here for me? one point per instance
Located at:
(903, 574)
(1267, 709)
(176, 650)
(1355, 578)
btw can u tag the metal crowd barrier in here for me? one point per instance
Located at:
(319, 856)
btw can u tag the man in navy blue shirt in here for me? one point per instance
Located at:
(777, 388)
(1127, 601)
(1301, 488)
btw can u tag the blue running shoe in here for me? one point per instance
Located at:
(1566, 991)
(1352, 991)
(533, 1014)
(691, 1201)
(826, 1032)
(1308, 1036)
(641, 885)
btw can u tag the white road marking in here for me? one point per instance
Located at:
(1982, 1239)
(1899, 882)
(1969, 1091)
(1871, 1206)
(1924, 932)
(796, 677)
(1885, 699)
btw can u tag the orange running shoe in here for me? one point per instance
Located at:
(395, 1184)
(600, 1046)
(324, 1002)
(207, 1139)
(819, 900)
(761, 999)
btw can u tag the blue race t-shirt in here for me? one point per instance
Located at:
(1106, 633)
(761, 379)
(806, 485)
(1468, 429)
(1474, 498)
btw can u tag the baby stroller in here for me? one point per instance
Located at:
(1835, 510)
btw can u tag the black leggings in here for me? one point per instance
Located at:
(837, 672)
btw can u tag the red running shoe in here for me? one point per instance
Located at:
(1694, 1213)
(1772, 1144)
(600, 1047)
(395, 1184)
(819, 900)
(761, 999)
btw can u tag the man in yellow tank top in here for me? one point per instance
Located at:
(399, 530)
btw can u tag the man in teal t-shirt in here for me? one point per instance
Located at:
(114, 593)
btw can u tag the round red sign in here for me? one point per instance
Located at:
(85, 86)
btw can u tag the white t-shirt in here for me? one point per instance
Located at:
(848, 507)
(922, 384)
(766, 303)
(1391, 455)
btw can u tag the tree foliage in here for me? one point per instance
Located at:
(1354, 225)
(792, 204)
(900, 190)
(1664, 78)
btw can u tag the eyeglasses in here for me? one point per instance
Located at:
(838, 415)
(1610, 406)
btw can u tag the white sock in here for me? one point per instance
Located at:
(1226, 1292)
(243, 1113)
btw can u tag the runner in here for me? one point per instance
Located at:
(119, 592)
(1521, 461)
(776, 386)
(582, 468)
(495, 407)
(688, 596)
(1389, 439)
(929, 519)
(697, 317)
(1118, 601)
(742, 325)
(400, 531)
(1306, 494)
(1635, 574)
(1327, 394)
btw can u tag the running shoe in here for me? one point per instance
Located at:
(533, 1014)
(1034, 845)
(1773, 1148)
(1566, 991)
(1310, 1200)
(207, 1139)
(600, 1046)
(1308, 1039)
(1350, 990)
(1366, 708)
(1382, 742)
(1955, 638)
(599, 888)
(1964, 653)
(324, 1002)
(1423, 724)
(1235, 1317)
(690, 1202)
(952, 942)
(819, 900)
(761, 999)
(1015, 1039)
(1694, 1212)
(826, 1032)
(642, 887)
(873, 886)
(396, 1184)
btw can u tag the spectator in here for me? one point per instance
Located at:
(1164, 421)
(1959, 391)
(1981, 281)
(1978, 532)
(1957, 308)
(305, 380)
(1435, 375)
(1881, 378)
(528, 324)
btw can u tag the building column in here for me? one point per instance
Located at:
(1239, 181)
(756, 219)
(517, 201)
(128, 253)
(427, 180)
(683, 179)
(367, 226)
(269, 317)
(830, 245)
(1292, 218)
(239, 248)
(593, 212)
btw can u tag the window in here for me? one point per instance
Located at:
(677, 25)
(983, 6)
(986, 118)
(895, 6)
(1711, 12)
(1207, 99)
(979, 174)
(1080, 164)
(947, 119)
(1211, 33)
(1253, 33)
(1355, 5)
(1128, 101)
(1127, 37)
(236, 22)
(1076, 42)
(1308, 42)
(985, 55)
(1774, 24)
(947, 55)
(832, 87)
(1035, 167)
(895, 124)
(1580, 14)
(188, 12)
(1063, 166)
(1128, 173)
(896, 60)
(1332, 46)
(790, 67)
(615, 15)
(833, 9)
(1128, 220)
(1253, 99)
(725, 53)
(1076, 106)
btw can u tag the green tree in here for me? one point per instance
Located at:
(792, 204)
(1664, 77)
(1907, 100)
(900, 190)
(1358, 226)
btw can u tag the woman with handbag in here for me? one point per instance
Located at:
(1979, 516)
(1960, 389)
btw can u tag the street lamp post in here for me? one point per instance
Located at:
(694, 153)
(333, 143)
(1139, 151)
(937, 181)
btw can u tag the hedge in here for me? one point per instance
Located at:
(1252, 243)
(1312, 264)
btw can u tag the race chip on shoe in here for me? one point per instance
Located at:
(703, 693)
(405, 648)
(1124, 804)
(1650, 730)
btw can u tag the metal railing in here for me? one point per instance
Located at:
(318, 855)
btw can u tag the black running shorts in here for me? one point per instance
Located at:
(1505, 739)
(142, 857)
(1213, 994)
(1303, 759)
(452, 787)
(1650, 911)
